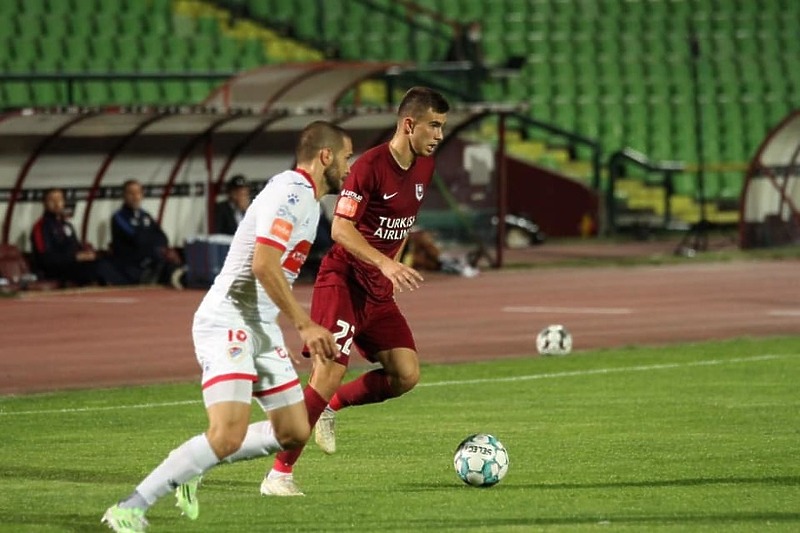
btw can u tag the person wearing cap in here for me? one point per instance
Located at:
(229, 212)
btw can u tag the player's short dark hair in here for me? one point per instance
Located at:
(50, 191)
(127, 183)
(318, 135)
(236, 182)
(418, 100)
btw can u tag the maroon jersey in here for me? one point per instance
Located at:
(383, 200)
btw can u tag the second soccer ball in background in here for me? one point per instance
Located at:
(554, 340)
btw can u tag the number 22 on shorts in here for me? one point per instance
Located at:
(346, 331)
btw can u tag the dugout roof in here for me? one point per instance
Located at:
(33, 139)
(770, 208)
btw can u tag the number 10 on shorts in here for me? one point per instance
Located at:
(346, 331)
(238, 335)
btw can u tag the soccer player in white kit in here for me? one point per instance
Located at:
(237, 340)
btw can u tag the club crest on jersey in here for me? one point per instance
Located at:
(419, 190)
(293, 198)
(235, 351)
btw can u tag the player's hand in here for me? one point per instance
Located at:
(319, 341)
(401, 276)
(85, 255)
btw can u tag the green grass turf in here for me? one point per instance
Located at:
(700, 437)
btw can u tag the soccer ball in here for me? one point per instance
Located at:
(554, 340)
(481, 460)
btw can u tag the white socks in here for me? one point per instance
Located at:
(195, 457)
(192, 458)
(259, 441)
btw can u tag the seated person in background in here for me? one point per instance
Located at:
(229, 212)
(139, 247)
(422, 253)
(58, 254)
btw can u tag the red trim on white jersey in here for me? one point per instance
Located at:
(230, 377)
(270, 242)
(307, 176)
(275, 390)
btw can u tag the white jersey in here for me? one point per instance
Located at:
(285, 215)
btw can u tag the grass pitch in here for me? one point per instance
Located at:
(701, 437)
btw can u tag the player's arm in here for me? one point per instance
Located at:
(268, 271)
(345, 233)
(399, 255)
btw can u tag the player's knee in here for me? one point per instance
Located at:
(224, 443)
(293, 437)
(406, 380)
(327, 380)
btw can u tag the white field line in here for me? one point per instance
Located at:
(784, 312)
(529, 377)
(595, 371)
(84, 300)
(570, 310)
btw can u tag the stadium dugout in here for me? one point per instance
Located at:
(770, 207)
(183, 155)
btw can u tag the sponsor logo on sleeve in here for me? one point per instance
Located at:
(346, 206)
(281, 229)
(296, 257)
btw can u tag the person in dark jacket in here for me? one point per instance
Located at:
(57, 252)
(139, 247)
(229, 212)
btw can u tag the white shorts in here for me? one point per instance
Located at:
(228, 348)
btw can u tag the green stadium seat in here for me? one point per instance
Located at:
(85, 9)
(208, 26)
(174, 63)
(81, 26)
(373, 46)
(123, 92)
(29, 24)
(8, 9)
(175, 92)
(198, 90)
(134, 7)
(148, 64)
(73, 64)
(16, 94)
(178, 46)
(157, 25)
(53, 26)
(162, 7)
(8, 26)
(148, 92)
(132, 23)
(107, 24)
(78, 47)
(350, 46)
(47, 94)
(306, 25)
(34, 7)
(95, 93)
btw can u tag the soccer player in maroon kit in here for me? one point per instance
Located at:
(354, 290)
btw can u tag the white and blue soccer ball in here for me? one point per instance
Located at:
(481, 460)
(554, 340)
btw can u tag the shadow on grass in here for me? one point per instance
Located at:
(68, 475)
(688, 482)
(648, 520)
(75, 523)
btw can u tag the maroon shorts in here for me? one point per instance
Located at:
(356, 322)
